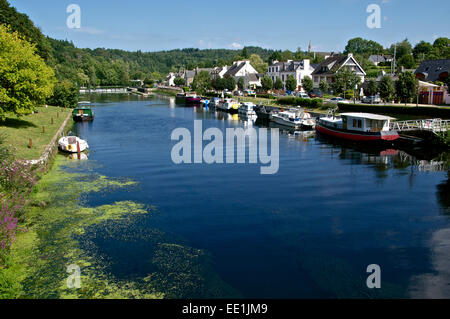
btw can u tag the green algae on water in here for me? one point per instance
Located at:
(60, 228)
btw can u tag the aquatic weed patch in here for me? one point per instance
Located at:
(63, 231)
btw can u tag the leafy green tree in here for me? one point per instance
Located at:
(65, 94)
(241, 84)
(403, 48)
(219, 84)
(266, 83)
(372, 88)
(278, 85)
(345, 79)
(323, 86)
(386, 88)
(179, 81)
(363, 46)
(406, 87)
(291, 83)
(307, 84)
(230, 83)
(407, 61)
(287, 55)
(421, 50)
(441, 48)
(275, 56)
(202, 82)
(25, 80)
(244, 53)
(258, 63)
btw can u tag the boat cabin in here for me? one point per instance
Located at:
(365, 122)
(83, 113)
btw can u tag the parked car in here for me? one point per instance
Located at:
(337, 100)
(303, 95)
(238, 93)
(312, 95)
(371, 99)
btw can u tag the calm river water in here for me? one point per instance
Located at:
(310, 231)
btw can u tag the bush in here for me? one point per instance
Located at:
(65, 94)
(292, 100)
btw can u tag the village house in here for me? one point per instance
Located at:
(282, 70)
(328, 68)
(433, 71)
(218, 72)
(243, 69)
(380, 58)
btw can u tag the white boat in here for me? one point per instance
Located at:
(72, 144)
(294, 119)
(228, 105)
(246, 109)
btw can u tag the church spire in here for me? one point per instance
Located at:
(309, 48)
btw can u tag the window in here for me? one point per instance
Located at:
(354, 123)
(359, 123)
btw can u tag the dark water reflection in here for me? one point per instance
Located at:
(308, 232)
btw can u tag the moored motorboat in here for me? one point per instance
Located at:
(296, 119)
(246, 109)
(358, 127)
(83, 113)
(72, 144)
(229, 105)
(265, 113)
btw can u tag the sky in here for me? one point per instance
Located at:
(149, 25)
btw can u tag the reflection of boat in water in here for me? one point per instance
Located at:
(78, 156)
(72, 144)
(363, 127)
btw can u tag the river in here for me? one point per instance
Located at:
(309, 231)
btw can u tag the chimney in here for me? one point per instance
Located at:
(306, 64)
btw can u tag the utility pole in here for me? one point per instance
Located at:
(395, 59)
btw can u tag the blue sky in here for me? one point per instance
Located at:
(149, 25)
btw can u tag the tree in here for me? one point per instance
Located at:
(441, 48)
(267, 83)
(230, 83)
(179, 81)
(406, 87)
(362, 46)
(219, 84)
(278, 85)
(372, 88)
(286, 55)
(291, 83)
(386, 88)
(241, 84)
(275, 56)
(202, 82)
(245, 54)
(407, 61)
(307, 84)
(65, 94)
(25, 80)
(323, 86)
(403, 48)
(258, 63)
(421, 50)
(345, 79)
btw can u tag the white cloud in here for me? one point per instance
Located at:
(236, 45)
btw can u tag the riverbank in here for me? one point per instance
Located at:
(40, 127)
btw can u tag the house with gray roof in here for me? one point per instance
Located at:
(433, 70)
(328, 68)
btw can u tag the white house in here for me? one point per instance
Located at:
(218, 72)
(298, 69)
(328, 68)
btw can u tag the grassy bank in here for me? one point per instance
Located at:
(18, 131)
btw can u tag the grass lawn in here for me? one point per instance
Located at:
(18, 131)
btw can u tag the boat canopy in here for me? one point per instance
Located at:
(369, 116)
